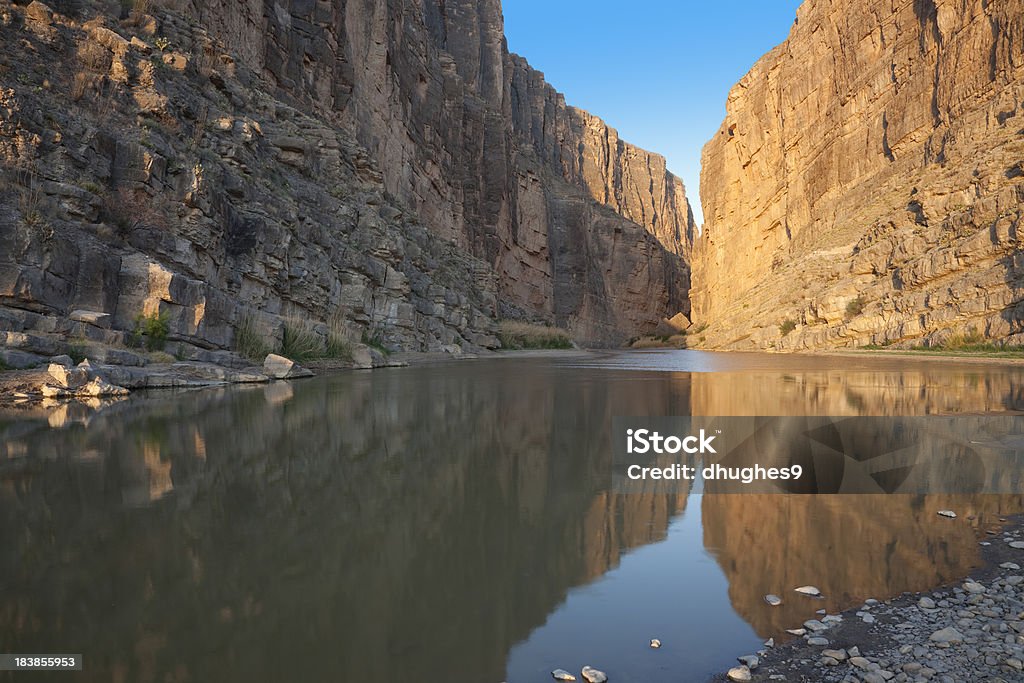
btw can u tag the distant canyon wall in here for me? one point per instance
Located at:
(867, 183)
(582, 229)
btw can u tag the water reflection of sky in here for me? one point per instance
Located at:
(673, 590)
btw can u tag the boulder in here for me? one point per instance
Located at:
(68, 378)
(279, 367)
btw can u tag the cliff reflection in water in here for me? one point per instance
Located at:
(378, 526)
(852, 547)
(366, 527)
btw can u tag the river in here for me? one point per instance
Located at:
(453, 521)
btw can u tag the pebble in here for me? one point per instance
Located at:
(809, 590)
(926, 603)
(773, 600)
(655, 643)
(739, 673)
(562, 675)
(946, 635)
(751, 661)
(947, 513)
(592, 675)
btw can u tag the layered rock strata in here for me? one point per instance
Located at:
(389, 171)
(866, 185)
(582, 228)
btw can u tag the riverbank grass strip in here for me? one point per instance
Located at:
(520, 335)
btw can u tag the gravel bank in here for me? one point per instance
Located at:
(968, 632)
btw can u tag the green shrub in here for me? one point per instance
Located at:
(77, 352)
(375, 341)
(151, 331)
(301, 341)
(249, 342)
(520, 335)
(787, 326)
(855, 307)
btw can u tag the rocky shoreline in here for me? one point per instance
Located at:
(118, 372)
(972, 630)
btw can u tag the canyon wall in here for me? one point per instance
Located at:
(582, 228)
(866, 185)
(386, 168)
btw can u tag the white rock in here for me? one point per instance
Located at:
(973, 587)
(739, 673)
(860, 663)
(809, 590)
(98, 387)
(926, 603)
(362, 359)
(947, 513)
(280, 367)
(770, 642)
(1016, 544)
(818, 641)
(655, 643)
(562, 675)
(773, 600)
(796, 631)
(815, 625)
(68, 378)
(592, 675)
(1010, 565)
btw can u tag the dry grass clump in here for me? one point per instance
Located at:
(301, 340)
(520, 335)
(338, 345)
(249, 340)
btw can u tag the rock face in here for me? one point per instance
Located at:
(391, 170)
(581, 228)
(866, 185)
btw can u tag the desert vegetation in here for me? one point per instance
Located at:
(516, 334)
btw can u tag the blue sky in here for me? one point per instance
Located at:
(656, 70)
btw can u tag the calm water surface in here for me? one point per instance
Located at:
(451, 522)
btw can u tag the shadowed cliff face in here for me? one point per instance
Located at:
(866, 182)
(581, 227)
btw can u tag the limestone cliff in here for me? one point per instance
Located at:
(386, 168)
(866, 184)
(581, 227)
